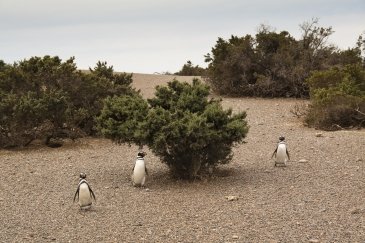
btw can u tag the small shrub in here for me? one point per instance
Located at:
(300, 109)
(337, 98)
(190, 70)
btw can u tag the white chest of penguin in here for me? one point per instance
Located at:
(139, 171)
(84, 195)
(281, 153)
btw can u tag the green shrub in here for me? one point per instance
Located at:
(181, 125)
(274, 64)
(190, 70)
(45, 98)
(337, 98)
(121, 118)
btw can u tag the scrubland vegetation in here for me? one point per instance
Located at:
(50, 99)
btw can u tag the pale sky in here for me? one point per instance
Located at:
(147, 36)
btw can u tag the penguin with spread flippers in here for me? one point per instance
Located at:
(139, 170)
(281, 153)
(84, 193)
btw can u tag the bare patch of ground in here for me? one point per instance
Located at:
(318, 197)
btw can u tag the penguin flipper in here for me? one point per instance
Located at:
(77, 193)
(274, 152)
(287, 153)
(92, 193)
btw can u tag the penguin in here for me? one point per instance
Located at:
(281, 152)
(84, 193)
(139, 170)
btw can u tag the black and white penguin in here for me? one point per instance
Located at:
(281, 152)
(139, 170)
(84, 193)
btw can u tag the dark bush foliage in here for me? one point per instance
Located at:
(190, 70)
(121, 118)
(45, 98)
(337, 98)
(272, 64)
(181, 125)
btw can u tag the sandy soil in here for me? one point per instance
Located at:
(318, 197)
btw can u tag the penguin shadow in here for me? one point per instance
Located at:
(92, 210)
(165, 180)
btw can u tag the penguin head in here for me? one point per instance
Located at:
(141, 154)
(281, 138)
(82, 175)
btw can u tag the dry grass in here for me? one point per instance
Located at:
(317, 200)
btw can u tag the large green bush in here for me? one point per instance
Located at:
(121, 118)
(337, 98)
(274, 64)
(46, 98)
(181, 125)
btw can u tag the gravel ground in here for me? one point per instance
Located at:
(318, 197)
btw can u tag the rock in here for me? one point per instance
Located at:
(232, 198)
(314, 240)
(235, 237)
(319, 134)
(356, 211)
(303, 161)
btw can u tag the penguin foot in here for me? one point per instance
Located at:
(279, 165)
(84, 208)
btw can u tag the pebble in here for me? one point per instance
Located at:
(356, 211)
(232, 198)
(314, 240)
(235, 237)
(319, 134)
(303, 161)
